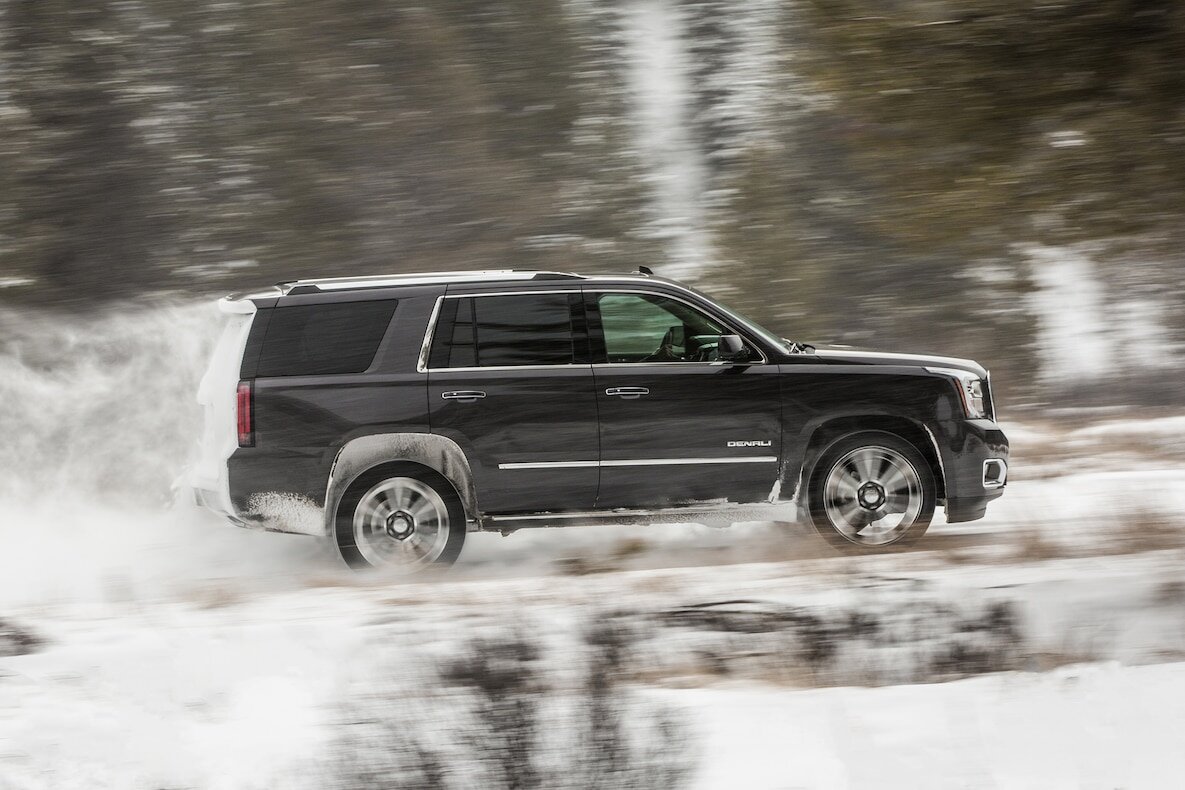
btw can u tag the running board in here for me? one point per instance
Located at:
(697, 514)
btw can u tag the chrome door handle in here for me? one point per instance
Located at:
(464, 396)
(629, 393)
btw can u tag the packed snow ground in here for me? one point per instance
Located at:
(237, 689)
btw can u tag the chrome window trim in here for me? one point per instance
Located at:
(430, 332)
(570, 366)
(532, 292)
(754, 329)
(690, 363)
(422, 362)
(727, 322)
(749, 459)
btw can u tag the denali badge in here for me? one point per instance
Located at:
(751, 444)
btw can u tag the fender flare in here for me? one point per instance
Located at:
(810, 457)
(438, 453)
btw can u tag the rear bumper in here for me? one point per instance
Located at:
(218, 502)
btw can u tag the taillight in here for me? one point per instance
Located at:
(245, 411)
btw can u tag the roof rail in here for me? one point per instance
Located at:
(425, 278)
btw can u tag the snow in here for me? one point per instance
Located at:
(288, 513)
(245, 690)
(1161, 429)
(168, 699)
(1090, 726)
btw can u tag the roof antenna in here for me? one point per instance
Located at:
(645, 270)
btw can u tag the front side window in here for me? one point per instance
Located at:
(653, 328)
(504, 331)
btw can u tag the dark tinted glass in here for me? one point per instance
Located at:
(531, 329)
(322, 339)
(463, 344)
(492, 331)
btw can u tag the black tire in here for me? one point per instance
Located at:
(446, 505)
(899, 467)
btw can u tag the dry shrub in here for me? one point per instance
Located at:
(493, 717)
(16, 640)
(898, 639)
(217, 597)
(1170, 593)
(1147, 530)
(1140, 530)
(1031, 545)
(583, 566)
(629, 547)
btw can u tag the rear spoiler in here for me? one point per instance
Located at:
(237, 305)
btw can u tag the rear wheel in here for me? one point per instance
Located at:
(872, 491)
(400, 516)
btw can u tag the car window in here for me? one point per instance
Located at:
(323, 339)
(653, 328)
(500, 331)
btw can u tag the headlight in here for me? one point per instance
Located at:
(971, 389)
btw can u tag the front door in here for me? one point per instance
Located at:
(509, 381)
(677, 425)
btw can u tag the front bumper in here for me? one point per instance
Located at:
(968, 508)
(975, 456)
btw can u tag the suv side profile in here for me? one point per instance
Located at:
(407, 410)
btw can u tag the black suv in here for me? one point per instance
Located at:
(405, 410)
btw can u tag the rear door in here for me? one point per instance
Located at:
(510, 380)
(678, 426)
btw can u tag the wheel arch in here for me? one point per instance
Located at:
(438, 453)
(831, 431)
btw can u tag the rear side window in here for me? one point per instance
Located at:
(505, 331)
(324, 339)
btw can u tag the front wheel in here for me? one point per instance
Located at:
(400, 517)
(872, 491)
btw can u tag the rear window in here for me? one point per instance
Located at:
(324, 339)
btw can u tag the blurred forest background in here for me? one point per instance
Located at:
(996, 179)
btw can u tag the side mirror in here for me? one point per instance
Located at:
(732, 349)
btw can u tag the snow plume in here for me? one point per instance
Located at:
(102, 406)
(99, 416)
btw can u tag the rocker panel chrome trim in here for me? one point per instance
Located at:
(759, 459)
(711, 510)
